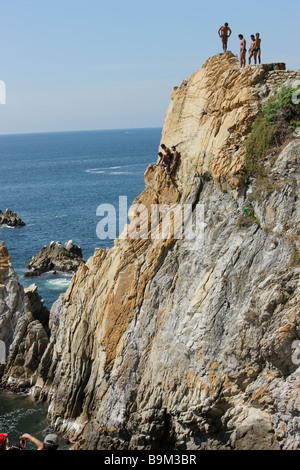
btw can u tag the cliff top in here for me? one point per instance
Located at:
(208, 120)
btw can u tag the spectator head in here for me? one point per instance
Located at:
(51, 442)
(3, 440)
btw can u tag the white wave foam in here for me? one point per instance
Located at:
(121, 173)
(58, 283)
(103, 170)
(95, 171)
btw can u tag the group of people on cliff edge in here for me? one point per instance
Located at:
(254, 50)
(168, 159)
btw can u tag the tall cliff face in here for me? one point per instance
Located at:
(159, 345)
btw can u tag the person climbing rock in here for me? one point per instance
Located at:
(73, 439)
(165, 158)
(174, 160)
(224, 33)
(166, 150)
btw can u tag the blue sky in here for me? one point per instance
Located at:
(90, 64)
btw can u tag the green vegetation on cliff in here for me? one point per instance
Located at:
(275, 123)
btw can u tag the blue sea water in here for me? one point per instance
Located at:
(19, 414)
(56, 181)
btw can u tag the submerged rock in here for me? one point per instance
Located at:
(55, 257)
(11, 219)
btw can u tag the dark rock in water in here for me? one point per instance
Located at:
(11, 219)
(55, 257)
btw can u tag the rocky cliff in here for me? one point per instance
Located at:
(164, 344)
(24, 327)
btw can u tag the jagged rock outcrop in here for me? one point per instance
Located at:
(55, 257)
(24, 328)
(11, 219)
(167, 343)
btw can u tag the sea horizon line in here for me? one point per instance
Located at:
(80, 131)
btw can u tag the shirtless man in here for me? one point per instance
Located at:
(224, 33)
(165, 158)
(257, 48)
(242, 50)
(252, 49)
(167, 151)
(174, 160)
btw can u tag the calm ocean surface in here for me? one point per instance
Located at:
(56, 181)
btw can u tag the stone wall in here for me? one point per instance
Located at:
(275, 78)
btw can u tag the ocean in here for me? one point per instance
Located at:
(55, 182)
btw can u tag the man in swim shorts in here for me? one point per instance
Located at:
(252, 49)
(257, 47)
(224, 33)
(242, 51)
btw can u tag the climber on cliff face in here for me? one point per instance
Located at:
(166, 150)
(165, 158)
(73, 439)
(174, 160)
(224, 33)
(242, 50)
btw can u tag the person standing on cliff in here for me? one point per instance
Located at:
(257, 48)
(224, 33)
(252, 48)
(242, 51)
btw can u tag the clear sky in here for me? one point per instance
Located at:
(92, 64)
